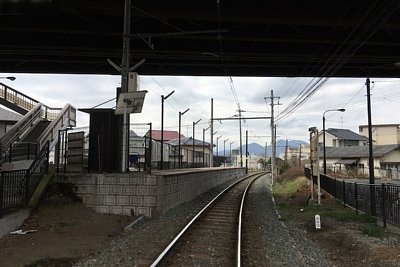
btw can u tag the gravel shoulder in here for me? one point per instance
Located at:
(71, 235)
(268, 241)
(346, 239)
(274, 246)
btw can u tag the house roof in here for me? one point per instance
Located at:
(168, 135)
(187, 141)
(351, 152)
(345, 134)
(10, 116)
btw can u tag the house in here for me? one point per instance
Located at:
(187, 149)
(382, 134)
(342, 138)
(7, 120)
(294, 153)
(168, 135)
(356, 158)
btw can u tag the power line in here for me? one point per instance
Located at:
(342, 52)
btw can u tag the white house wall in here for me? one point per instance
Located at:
(393, 157)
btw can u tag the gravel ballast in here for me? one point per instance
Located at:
(273, 244)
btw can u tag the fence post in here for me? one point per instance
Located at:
(344, 192)
(27, 180)
(1, 193)
(47, 156)
(356, 196)
(9, 154)
(335, 187)
(383, 206)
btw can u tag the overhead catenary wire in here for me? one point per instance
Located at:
(342, 53)
(321, 47)
(172, 102)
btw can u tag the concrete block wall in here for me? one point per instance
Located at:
(147, 194)
(182, 187)
(117, 193)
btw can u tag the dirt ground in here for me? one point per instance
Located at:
(66, 232)
(344, 241)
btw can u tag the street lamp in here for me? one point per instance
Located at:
(194, 124)
(162, 128)
(179, 137)
(9, 78)
(224, 152)
(204, 131)
(323, 132)
(217, 144)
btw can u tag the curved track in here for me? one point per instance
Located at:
(213, 236)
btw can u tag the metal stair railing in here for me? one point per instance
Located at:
(17, 98)
(66, 118)
(17, 187)
(20, 127)
(25, 103)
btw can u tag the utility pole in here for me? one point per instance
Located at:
(286, 152)
(247, 151)
(124, 84)
(300, 156)
(370, 147)
(265, 156)
(273, 136)
(212, 134)
(240, 134)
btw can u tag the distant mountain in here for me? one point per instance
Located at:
(259, 150)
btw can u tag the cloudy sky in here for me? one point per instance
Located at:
(86, 91)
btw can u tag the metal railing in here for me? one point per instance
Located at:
(17, 98)
(20, 151)
(144, 154)
(65, 118)
(17, 187)
(25, 102)
(358, 196)
(29, 119)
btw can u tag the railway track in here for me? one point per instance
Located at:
(213, 236)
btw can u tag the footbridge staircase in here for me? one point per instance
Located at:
(25, 148)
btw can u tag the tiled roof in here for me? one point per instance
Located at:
(187, 141)
(10, 116)
(345, 134)
(358, 151)
(168, 135)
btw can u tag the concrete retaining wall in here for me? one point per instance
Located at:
(13, 221)
(148, 194)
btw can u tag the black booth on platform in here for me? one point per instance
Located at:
(104, 140)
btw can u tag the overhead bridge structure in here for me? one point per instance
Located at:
(207, 37)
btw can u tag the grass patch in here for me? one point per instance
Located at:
(288, 188)
(291, 196)
(372, 230)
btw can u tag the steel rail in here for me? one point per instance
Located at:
(180, 234)
(238, 263)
